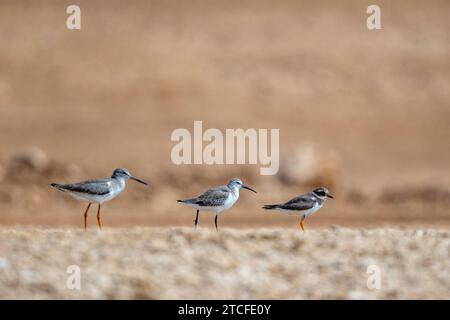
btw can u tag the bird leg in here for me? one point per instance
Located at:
(99, 220)
(85, 216)
(215, 221)
(302, 223)
(196, 219)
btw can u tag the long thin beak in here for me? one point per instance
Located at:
(248, 188)
(330, 196)
(138, 180)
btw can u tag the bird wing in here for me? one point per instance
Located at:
(303, 202)
(96, 187)
(213, 197)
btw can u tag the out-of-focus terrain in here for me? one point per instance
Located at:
(168, 263)
(365, 113)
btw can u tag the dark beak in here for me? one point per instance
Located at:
(139, 180)
(330, 196)
(248, 188)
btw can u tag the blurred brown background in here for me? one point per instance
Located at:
(365, 113)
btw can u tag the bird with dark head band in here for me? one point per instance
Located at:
(304, 205)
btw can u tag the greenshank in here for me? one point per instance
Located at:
(303, 205)
(216, 199)
(98, 191)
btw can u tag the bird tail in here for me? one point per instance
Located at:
(270, 206)
(185, 201)
(57, 186)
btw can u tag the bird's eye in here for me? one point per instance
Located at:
(320, 193)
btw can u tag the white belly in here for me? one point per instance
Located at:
(229, 202)
(304, 212)
(312, 210)
(95, 198)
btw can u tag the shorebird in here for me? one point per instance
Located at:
(303, 205)
(217, 199)
(98, 191)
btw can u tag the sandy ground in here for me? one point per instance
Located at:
(165, 263)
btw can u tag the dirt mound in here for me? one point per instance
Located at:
(31, 165)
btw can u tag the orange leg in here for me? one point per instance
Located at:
(302, 223)
(99, 220)
(85, 216)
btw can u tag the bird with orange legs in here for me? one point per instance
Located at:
(98, 191)
(304, 205)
